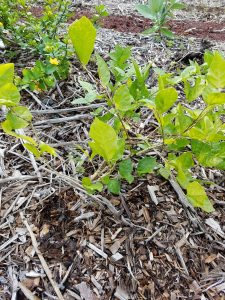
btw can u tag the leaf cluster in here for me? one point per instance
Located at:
(159, 12)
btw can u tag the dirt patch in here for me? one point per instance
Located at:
(136, 24)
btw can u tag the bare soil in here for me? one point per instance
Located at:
(136, 24)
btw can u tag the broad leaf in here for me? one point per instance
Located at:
(146, 165)
(22, 112)
(216, 73)
(165, 99)
(215, 98)
(6, 74)
(123, 99)
(198, 198)
(83, 35)
(193, 92)
(46, 148)
(103, 71)
(91, 187)
(114, 186)
(105, 141)
(32, 149)
(145, 11)
(125, 170)
(10, 92)
(15, 121)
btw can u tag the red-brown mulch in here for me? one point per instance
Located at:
(136, 24)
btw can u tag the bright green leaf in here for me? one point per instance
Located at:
(6, 74)
(216, 73)
(193, 92)
(32, 149)
(91, 187)
(123, 99)
(83, 35)
(10, 92)
(165, 172)
(165, 99)
(103, 71)
(215, 98)
(198, 198)
(22, 112)
(15, 121)
(46, 148)
(105, 140)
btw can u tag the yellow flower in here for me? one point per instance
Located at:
(54, 61)
(1, 24)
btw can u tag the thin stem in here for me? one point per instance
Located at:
(200, 116)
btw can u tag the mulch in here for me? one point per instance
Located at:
(146, 243)
(136, 24)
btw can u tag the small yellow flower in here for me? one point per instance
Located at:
(1, 24)
(54, 61)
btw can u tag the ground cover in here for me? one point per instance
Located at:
(146, 242)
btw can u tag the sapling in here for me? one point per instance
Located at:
(159, 12)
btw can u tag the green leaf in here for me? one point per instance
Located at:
(209, 154)
(15, 121)
(187, 72)
(157, 6)
(208, 57)
(114, 186)
(46, 148)
(125, 170)
(89, 98)
(123, 99)
(198, 198)
(32, 149)
(178, 6)
(151, 30)
(105, 179)
(168, 33)
(214, 98)
(146, 165)
(91, 187)
(87, 86)
(10, 93)
(193, 92)
(105, 141)
(7, 103)
(22, 112)
(165, 99)
(165, 172)
(216, 73)
(6, 74)
(83, 35)
(103, 71)
(145, 11)
(182, 165)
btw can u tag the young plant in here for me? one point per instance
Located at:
(38, 33)
(100, 12)
(159, 12)
(190, 137)
(17, 117)
(44, 76)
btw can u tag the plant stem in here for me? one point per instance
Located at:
(201, 115)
